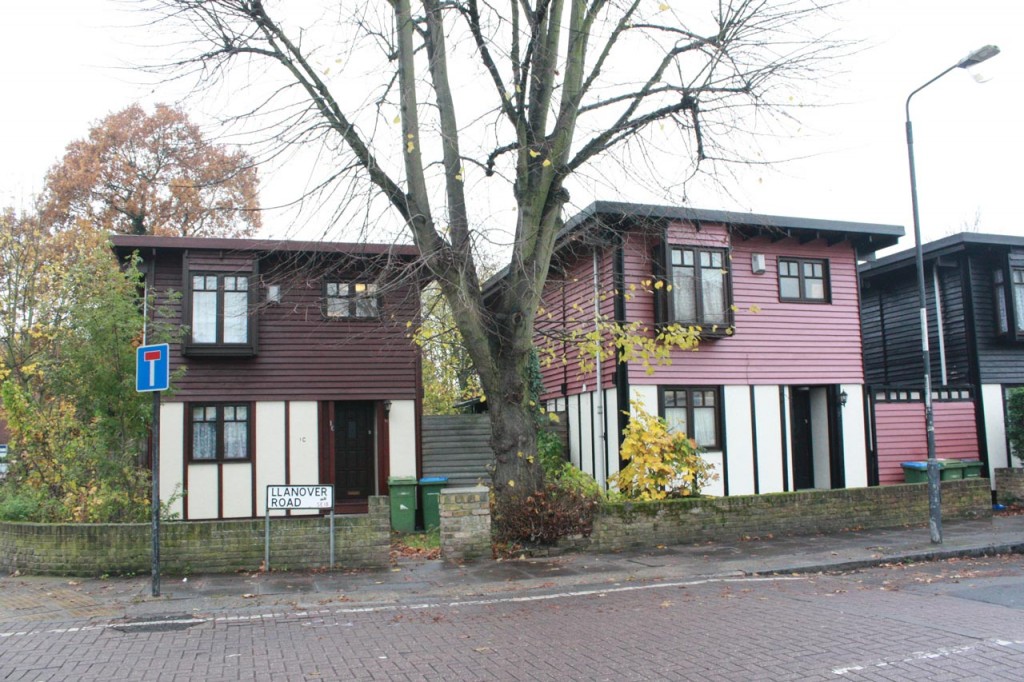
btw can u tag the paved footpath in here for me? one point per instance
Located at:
(28, 598)
(754, 609)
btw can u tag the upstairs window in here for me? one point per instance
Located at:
(803, 280)
(1017, 282)
(219, 314)
(1010, 302)
(350, 299)
(220, 433)
(695, 412)
(699, 292)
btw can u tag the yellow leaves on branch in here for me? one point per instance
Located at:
(662, 463)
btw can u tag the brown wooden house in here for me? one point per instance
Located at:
(290, 364)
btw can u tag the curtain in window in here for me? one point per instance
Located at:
(684, 286)
(675, 417)
(705, 422)
(712, 282)
(204, 433)
(204, 309)
(236, 432)
(705, 431)
(236, 310)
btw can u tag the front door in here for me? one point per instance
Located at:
(800, 437)
(354, 452)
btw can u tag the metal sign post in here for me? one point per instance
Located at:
(152, 375)
(285, 497)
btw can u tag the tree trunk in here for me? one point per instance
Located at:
(514, 441)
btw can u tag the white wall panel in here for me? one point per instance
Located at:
(995, 427)
(203, 491)
(172, 454)
(304, 453)
(647, 395)
(739, 440)
(769, 439)
(237, 489)
(270, 450)
(572, 415)
(402, 436)
(855, 450)
(714, 487)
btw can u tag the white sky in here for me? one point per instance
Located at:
(62, 68)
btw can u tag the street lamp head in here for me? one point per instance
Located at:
(977, 57)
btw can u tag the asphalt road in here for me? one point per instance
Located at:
(952, 620)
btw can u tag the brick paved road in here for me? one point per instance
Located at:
(943, 621)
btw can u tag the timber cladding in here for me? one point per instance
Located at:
(361, 541)
(297, 351)
(459, 447)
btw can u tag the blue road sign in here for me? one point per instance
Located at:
(152, 368)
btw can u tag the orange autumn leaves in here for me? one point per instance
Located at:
(139, 173)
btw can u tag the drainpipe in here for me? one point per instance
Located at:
(601, 407)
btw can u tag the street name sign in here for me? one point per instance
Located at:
(300, 497)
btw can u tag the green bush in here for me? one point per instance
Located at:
(550, 451)
(23, 505)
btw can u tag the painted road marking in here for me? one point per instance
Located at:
(385, 608)
(941, 652)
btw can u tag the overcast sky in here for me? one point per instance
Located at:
(63, 69)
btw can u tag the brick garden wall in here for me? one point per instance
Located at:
(646, 524)
(197, 546)
(1010, 486)
(465, 523)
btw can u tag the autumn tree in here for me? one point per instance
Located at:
(439, 109)
(448, 374)
(31, 271)
(69, 321)
(140, 173)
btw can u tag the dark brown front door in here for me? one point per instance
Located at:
(354, 448)
(803, 452)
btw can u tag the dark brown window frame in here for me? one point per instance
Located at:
(1009, 319)
(664, 298)
(352, 300)
(219, 347)
(690, 390)
(220, 405)
(826, 279)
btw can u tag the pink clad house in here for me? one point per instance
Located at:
(775, 394)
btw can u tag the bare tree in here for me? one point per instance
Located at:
(524, 93)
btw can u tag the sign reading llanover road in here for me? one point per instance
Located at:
(300, 497)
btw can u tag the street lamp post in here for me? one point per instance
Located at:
(934, 494)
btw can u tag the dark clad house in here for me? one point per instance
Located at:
(975, 302)
(297, 368)
(774, 393)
